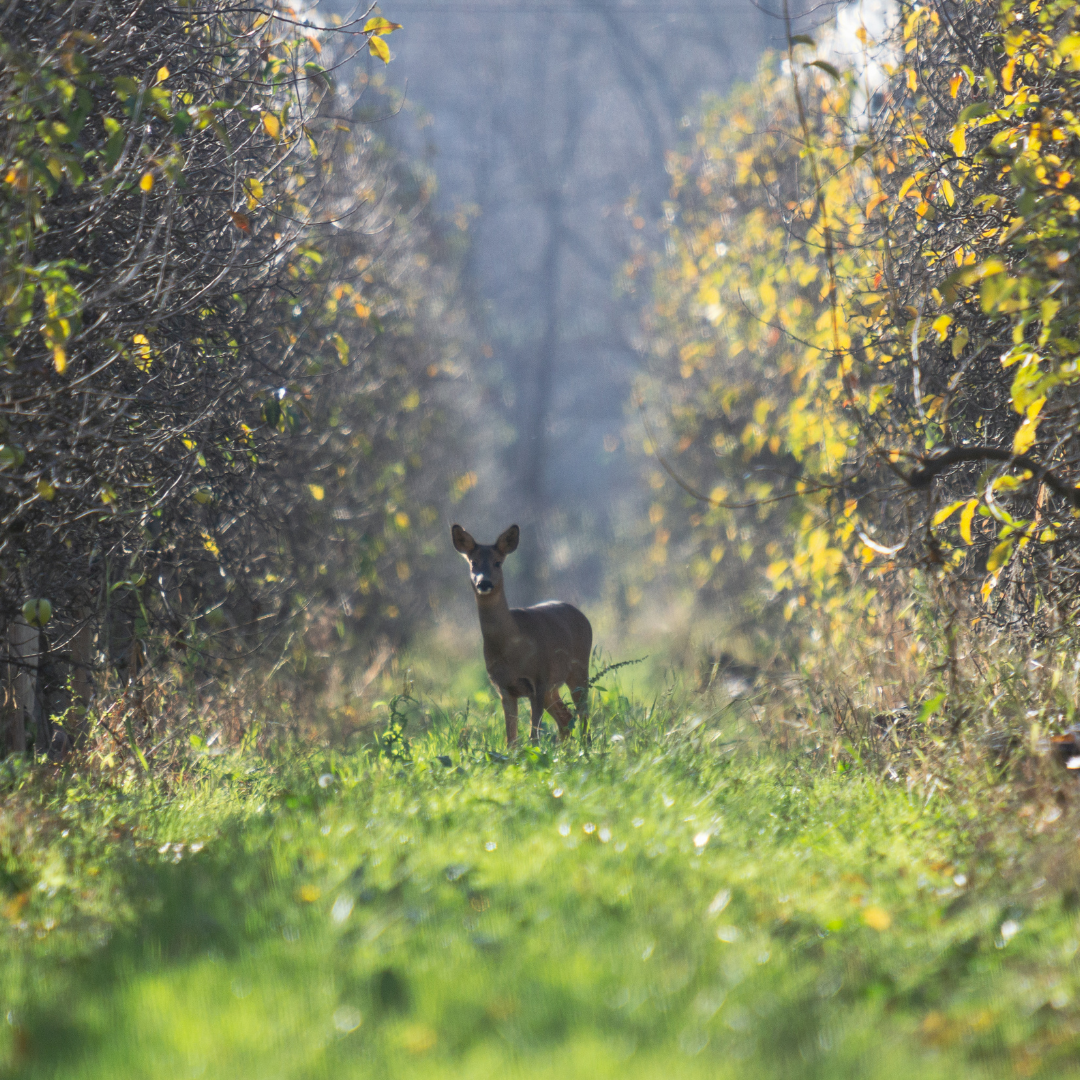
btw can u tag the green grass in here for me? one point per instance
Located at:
(680, 902)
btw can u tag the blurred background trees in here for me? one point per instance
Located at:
(549, 125)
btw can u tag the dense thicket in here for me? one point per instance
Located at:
(868, 296)
(222, 333)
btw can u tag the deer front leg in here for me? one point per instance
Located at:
(536, 704)
(510, 711)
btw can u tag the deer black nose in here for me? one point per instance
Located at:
(484, 585)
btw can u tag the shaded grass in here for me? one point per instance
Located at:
(679, 900)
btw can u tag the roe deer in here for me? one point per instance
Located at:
(529, 652)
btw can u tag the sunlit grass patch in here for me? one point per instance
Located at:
(677, 900)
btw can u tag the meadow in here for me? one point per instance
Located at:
(687, 896)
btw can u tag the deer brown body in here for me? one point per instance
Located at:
(529, 652)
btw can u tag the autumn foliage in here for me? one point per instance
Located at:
(223, 333)
(866, 319)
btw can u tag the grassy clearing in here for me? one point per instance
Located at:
(679, 900)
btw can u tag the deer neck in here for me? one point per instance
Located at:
(496, 624)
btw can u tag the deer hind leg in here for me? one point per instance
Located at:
(554, 705)
(510, 711)
(579, 691)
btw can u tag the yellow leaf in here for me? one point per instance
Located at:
(342, 347)
(911, 80)
(954, 83)
(310, 893)
(209, 543)
(271, 125)
(875, 201)
(401, 519)
(947, 511)
(958, 138)
(774, 570)
(18, 177)
(142, 351)
(147, 181)
(59, 359)
(378, 47)
(1025, 434)
(947, 191)
(411, 401)
(877, 918)
(378, 25)
(941, 325)
(46, 490)
(361, 309)
(965, 520)
(254, 191)
(163, 74)
(1007, 74)
(317, 493)
(999, 556)
(988, 586)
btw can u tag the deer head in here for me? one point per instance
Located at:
(485, 560)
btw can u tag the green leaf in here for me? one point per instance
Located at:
(125, 87)
(114, 145)
(932, 706)
(827, 68)
(802, 39)
(973, 112)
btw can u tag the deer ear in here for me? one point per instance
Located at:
(508, 541)
(462, 540)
